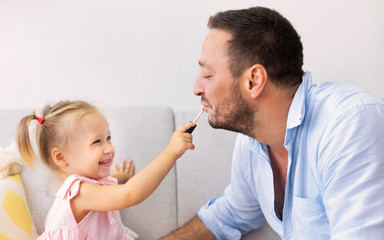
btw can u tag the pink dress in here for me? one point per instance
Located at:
(60, 223)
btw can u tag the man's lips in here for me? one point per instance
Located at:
(204, 105)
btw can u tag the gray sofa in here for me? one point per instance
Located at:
(140, 133)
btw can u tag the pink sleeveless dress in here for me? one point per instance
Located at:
(60, 223)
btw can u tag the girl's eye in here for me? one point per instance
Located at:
(207, 76)
(97, 141)
(109, 138)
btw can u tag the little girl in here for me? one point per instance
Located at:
(73, 139)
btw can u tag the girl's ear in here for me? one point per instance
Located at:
(59, 157)
(256, 80)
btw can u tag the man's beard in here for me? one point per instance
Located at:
(234, 113)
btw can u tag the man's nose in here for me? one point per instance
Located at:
(198, 87)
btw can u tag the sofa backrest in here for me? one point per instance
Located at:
(204, 172)
(141, 133)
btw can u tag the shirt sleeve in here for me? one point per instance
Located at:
(352, 171)
(238, 210)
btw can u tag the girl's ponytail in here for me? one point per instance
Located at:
(23, 139)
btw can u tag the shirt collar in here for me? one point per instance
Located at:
(255, 145)
(297, 109)
(296, 112)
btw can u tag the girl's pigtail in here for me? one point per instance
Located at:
(23, 140)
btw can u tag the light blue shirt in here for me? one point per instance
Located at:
(335, 178)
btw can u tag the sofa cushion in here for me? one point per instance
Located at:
(40, 187)
(204, 172)
(140, 133)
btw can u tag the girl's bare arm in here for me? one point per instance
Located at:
(139, 187)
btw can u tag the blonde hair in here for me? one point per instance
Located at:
(57, 123)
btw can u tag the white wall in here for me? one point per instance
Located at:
(122, 52)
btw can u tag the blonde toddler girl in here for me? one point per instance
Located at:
(74, 140)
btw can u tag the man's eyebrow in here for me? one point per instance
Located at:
(204, 64)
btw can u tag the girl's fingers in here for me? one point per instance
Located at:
(185, 127)
(131, 171)
(115, 168)
(122, 165)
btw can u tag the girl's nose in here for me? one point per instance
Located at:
(109, 148)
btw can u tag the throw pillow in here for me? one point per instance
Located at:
(15, 218)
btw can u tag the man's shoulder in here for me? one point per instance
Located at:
(339, 98)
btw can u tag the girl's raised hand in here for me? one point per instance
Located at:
(181, 141)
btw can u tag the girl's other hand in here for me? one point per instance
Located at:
(124, 172)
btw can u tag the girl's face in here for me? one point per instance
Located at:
(90, 151)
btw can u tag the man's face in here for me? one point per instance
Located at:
(220, 93)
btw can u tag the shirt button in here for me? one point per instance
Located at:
(271, 210)
(290, 238)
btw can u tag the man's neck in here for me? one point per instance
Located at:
(271, 119)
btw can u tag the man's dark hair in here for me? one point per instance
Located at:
(262, 36)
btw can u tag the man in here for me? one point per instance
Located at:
(310, 157)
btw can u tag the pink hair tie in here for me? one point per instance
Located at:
(40, 120)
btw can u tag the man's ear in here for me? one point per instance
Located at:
(59, 157)
(256, 77)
